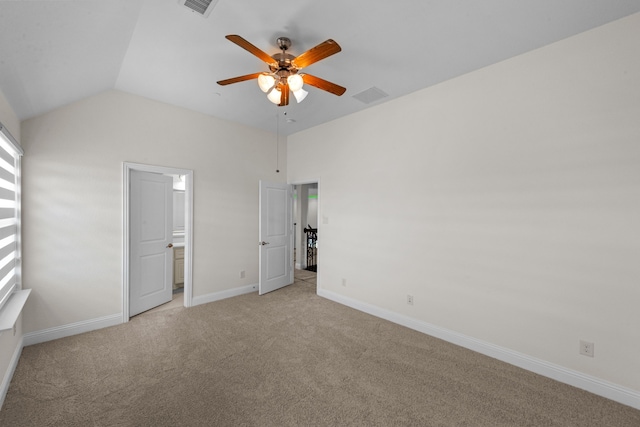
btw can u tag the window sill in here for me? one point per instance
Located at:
(12, 309)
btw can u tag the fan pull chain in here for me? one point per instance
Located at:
(278, 143)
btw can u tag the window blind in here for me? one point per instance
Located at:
(10, 153)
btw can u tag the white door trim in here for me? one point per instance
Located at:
(188, 230)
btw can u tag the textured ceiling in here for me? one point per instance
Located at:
(54, 52)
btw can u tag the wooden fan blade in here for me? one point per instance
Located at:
(239, 79)
(284, 95)
(250, 48)
(323, 84)
(315, 54)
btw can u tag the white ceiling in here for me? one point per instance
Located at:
(54, 52)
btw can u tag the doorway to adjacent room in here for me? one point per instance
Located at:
(148, 205)
(306, 209)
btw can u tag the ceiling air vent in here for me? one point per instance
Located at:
(370, 95)
(201, 7)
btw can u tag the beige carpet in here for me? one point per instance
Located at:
(288, 358)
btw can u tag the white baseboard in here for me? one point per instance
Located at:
(71, 329)
(57, 332)
(13, 364)
(217, 296)
(577, 379)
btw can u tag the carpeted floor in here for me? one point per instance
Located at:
(288, 358)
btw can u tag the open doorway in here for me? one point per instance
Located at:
(306, 226)
(181, 202)
(307, 235)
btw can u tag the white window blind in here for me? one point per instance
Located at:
(10, 153)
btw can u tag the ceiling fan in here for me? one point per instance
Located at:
(284, 70)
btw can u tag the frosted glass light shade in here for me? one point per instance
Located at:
(275, 95)
(295, 82)
(300, 94)
(266, 82)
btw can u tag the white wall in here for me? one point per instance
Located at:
(8, 117)
(9, 343)
(506, 201)
(72, 204)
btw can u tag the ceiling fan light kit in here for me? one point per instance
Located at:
(274, 95)
(300, 94)
(266, 82)
(295, 82)
(284, 76)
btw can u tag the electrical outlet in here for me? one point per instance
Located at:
(410, 299)
(242, 274)
(586, 348)
(344, 282)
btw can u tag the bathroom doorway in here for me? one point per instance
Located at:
(182, 237)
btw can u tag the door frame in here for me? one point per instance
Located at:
(127, 167)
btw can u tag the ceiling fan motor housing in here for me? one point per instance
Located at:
(283, 63)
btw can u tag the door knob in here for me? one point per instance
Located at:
(170, 245)
(263, 243)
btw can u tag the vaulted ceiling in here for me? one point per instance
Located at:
(54, 52)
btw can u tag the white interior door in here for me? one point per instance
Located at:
(151, 237)
(276, 236)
